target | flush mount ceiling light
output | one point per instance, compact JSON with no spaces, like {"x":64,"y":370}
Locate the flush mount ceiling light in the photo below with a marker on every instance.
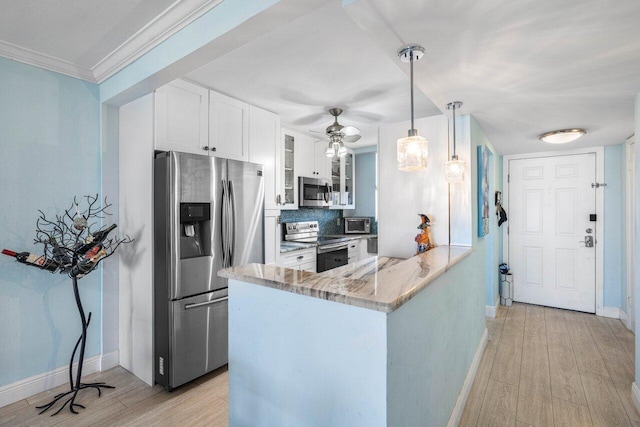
{"x":562,"y":136}
{"x":454,"y":168}
{"x":412,"y":151}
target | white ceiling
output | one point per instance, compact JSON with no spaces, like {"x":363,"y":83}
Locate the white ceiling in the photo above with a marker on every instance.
{"x":317,"y":62}
{"x":520,"y":67}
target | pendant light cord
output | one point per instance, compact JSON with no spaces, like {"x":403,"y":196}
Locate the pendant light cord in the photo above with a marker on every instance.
{"x":454,"y":132}
{"x":411,"y":65}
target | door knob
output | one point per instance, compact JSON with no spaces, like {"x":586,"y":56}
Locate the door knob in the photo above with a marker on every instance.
{"x":588,"y":241}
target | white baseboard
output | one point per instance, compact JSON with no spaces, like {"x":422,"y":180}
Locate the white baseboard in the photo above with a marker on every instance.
{"x":456,"y":414}
{"x":624,"y":317}
{"x":635,"y":395}
{"x":109,"y":360}
{"x":28,"y":387}
{"x":492,"y":311}
{"x":613,"y":312}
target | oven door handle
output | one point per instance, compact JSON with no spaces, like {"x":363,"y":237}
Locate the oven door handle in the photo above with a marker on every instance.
{"x":332,"y":247}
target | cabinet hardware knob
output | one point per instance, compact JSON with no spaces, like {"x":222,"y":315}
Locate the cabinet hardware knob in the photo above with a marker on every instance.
{"x":213,"y":148}
{"x":205,"y":148}
{"x":300,"y":256}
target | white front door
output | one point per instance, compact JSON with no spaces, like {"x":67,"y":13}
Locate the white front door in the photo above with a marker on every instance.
{"x":550,"y":203}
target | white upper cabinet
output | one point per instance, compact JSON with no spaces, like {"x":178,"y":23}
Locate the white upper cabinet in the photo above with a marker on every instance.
{"x":321,"y":163}
{"x":228,"y":127}
{"x":265,"y":148}
{"x":181,"y":118}
{"x":310,"y":158}
{"x":343,"y":180}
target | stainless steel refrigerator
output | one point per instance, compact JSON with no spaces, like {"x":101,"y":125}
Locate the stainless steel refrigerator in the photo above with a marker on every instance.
{"x":208,"y":215}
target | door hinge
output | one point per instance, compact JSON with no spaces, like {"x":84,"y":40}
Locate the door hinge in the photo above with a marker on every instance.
{"x":508,"y":178}
{"x":279,"y":219}
{"x":507,"y":229}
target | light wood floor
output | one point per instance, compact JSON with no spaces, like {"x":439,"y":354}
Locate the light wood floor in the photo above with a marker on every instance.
{"x":541,"y":367}
{"x":203,"y":402}
{"x":546,"y":367}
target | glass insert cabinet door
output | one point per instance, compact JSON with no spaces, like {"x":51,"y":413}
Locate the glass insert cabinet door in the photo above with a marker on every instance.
{"x":289,"y":174}
{"x":343,"y":181}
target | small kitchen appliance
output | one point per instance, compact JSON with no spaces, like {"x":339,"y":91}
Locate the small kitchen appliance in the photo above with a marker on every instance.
{"x":314,"y":192}
{"x":357,"y":225}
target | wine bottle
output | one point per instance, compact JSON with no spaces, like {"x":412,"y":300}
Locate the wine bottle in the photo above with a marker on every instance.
{"x":94,"y":238}
{"x":32,"y":259}
{"x":87,"y":264}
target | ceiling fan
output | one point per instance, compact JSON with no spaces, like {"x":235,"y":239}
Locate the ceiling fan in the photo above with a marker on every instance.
{"x":338,"y":133}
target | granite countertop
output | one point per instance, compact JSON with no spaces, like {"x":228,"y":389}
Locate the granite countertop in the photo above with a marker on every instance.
{"x":376,"y":283}
{"x":295,"y":246}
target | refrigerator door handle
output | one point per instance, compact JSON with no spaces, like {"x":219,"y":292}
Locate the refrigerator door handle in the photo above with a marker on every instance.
{"x":202,"y":304}
{"x":223,"y":216}
{"x":234,"y":218}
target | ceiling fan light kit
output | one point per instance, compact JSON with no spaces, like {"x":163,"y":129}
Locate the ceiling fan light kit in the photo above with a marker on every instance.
{"x":337,"y":133}
{"x":412,"y":151}
{"x":562,"y":136}
{"x":454,"y":168}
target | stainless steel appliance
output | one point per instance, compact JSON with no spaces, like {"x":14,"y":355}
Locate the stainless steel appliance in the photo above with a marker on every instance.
{"x":331,"y":252}
{"x":314,"y":192}
{"x":208,"y":215}
{"x":357,"y":225}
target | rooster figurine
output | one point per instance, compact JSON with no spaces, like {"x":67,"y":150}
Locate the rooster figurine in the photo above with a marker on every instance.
{"x":422,"y":239}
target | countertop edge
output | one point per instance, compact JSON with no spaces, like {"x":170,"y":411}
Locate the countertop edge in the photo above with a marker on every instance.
{"x":299,"y":286}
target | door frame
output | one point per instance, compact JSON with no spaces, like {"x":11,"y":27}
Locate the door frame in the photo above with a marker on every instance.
{"x":599,"y":152}
{"x":629,"y":218}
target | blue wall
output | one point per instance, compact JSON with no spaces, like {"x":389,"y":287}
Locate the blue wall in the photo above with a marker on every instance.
{"x":491,"y":244}
{"x":614,"y":250}
{"x":50,"y":132}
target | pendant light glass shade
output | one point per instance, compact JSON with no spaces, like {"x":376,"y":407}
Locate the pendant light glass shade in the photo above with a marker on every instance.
{"x":454,"y":168}
{"x":412,"y":153}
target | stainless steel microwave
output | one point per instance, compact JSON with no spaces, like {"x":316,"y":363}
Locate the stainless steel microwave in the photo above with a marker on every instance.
{"x":357,"y":225}
{"x":314,"y":192}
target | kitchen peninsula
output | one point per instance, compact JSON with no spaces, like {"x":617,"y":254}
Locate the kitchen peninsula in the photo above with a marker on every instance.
{"x":383,"y":341}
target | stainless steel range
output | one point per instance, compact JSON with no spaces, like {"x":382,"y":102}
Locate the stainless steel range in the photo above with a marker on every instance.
{"x":332,"y":252}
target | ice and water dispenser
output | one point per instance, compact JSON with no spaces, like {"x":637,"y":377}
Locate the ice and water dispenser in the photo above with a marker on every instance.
{"x":195,"y":230}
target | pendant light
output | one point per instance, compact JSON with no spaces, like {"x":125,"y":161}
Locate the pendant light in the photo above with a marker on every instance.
{"x":454,"y":168}
{"x":412,"y":151}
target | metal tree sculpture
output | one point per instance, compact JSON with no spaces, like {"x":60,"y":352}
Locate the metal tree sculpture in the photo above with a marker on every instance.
{"x":76,"y":245}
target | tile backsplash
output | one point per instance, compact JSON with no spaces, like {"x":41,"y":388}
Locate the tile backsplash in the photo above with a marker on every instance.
{"x":326,"y":219}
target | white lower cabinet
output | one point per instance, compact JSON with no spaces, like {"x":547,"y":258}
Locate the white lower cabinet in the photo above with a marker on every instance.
{"x":353,"y":250}
{"x":302,"y":259}
{"x":272,"y":236}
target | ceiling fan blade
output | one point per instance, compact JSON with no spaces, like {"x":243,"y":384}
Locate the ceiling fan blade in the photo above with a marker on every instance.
{"x":351,"y":138}
{"x":350,"y":130}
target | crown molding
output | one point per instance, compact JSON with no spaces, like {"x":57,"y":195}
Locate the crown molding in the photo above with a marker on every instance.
{"x":41,"y":60}
{"x":177,"y":16}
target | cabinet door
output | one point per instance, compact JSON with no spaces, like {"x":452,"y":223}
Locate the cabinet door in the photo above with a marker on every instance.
{"x":228,"y":127}
{"x":348,"y":196}
{"x":264,"y":148}
{"x":353,"y":251}
{"x":181,"y":118}
{"x":305,"y":156}
{"x":289,"y":198}
{"x":272,"y":237}
{"x":321,"y":165}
